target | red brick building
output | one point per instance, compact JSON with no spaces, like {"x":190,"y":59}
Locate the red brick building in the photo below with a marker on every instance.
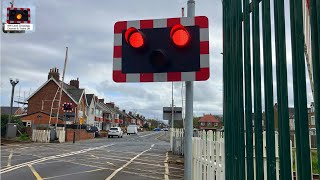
{"x":209,"y":122}
{"x":47,"y":96}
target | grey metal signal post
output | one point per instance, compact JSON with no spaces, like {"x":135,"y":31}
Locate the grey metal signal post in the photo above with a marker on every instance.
{"x":189,"y":115}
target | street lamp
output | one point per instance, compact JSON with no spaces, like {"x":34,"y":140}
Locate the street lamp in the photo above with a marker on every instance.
{"x":13,"y":83}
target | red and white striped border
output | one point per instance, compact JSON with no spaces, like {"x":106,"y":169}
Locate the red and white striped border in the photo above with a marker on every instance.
{"x":67,"y":110}
{"x":201,"y":75}
{"x":16,"y":22}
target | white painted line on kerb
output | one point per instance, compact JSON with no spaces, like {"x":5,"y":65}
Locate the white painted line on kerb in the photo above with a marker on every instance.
{"x":35,"y":173}
{"x":129,"y":162}
{"x":11,"y":168}
{"x":166,"y":170}
{"x":9,"y":158}
{"x":149,"y":134}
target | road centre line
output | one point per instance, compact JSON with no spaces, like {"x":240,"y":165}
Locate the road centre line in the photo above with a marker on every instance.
{"x":129,"y":162}
{"x":11,"y":168}
{"x":35,"y":173}
{"x":98,"y":168}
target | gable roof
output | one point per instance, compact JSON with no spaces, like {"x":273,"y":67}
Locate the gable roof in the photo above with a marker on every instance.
{"x":72,"y":92}
{"x":89,"y":98}
{"x":209,"y":118}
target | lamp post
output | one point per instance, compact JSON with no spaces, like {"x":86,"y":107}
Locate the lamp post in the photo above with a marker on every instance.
{"x":13,"y":83}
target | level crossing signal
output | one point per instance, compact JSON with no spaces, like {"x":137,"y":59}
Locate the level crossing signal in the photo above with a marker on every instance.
{"x":18,"y":16}
{"x":161,"y":50}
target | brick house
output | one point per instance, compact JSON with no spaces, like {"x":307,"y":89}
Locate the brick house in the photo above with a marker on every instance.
{"x":209,"y":122}
{"x":41,"y":101}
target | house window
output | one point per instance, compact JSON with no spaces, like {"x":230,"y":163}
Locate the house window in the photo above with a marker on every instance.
{"x":209,"y":124}
{"x":313,"y":120}
{"x":28,"y":124}
{"x":202,"y":124}
{"x":215,"y":124}
{"x":92,"y":111}
{"x":117,"y":116}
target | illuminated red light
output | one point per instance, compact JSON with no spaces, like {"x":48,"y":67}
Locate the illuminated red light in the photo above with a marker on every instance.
{"x":180,"y":36}
{"x":134,"y":38}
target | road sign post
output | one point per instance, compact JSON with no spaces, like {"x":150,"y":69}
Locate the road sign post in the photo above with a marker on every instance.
{"x":189,"y":115}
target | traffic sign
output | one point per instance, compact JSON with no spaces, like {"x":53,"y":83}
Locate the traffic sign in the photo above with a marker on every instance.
{"x":177,"y":113}
{"x":67,"y":107}
{"x":18,"y":15}
{"x":161,"y":50}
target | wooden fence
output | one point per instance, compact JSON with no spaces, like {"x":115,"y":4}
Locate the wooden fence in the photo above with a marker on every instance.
{"x":42,"y":136}
{"x":208,"y":156}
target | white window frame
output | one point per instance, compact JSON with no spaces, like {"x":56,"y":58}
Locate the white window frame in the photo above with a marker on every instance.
{"x":28,"y":124}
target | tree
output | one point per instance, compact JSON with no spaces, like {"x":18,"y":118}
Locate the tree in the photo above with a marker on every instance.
{"x":4,"y":122}
{"x":196,"y":122}
{"x":146,"y":126}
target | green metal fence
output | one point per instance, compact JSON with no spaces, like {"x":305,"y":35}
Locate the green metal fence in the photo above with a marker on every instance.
{"x":241,"y":39}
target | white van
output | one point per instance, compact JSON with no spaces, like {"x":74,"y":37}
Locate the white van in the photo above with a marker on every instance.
{"x":132,"y":129}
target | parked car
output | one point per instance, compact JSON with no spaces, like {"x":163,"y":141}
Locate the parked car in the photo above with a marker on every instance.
{"x":165,"y":129}
{"x":94,"y":129}
{"x":132,"y":129}
{"x":115,"y":131}
{"x":156,"y":129}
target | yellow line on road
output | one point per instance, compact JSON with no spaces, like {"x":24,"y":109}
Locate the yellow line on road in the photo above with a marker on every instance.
{"x":166,"y":171}
{"x":35,"y":173}
{"x":9,"y":158}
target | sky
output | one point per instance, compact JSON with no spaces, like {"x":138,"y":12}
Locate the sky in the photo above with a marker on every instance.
{"x":86,"y":27}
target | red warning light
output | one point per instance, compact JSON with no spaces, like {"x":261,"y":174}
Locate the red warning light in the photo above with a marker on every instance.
{"x":134,"y":38}
{"x":179,"y":35}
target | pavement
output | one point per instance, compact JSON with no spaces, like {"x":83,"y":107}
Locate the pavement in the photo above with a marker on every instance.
{"x":136,"y":157}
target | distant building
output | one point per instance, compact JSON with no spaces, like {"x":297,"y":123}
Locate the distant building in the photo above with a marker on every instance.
{"x":41,"y":101}
{"x":209,"y":122}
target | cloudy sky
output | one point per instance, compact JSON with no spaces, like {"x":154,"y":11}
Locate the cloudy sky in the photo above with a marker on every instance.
{"x":86,"y":27}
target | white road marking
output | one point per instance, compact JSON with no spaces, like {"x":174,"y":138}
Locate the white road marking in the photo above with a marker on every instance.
{"x":11,"y":168}
{"x":9,"y":158}
{"x":129,"y":162}
{"x":166,"y":170}
{"x":35,"y":173}
{"x":149,"y":134}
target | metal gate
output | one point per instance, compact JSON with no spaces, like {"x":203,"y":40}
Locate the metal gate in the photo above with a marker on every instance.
{"x":241,"y":37}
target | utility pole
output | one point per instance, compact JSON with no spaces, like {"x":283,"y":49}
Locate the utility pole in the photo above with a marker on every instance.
{"x":189,"y":115}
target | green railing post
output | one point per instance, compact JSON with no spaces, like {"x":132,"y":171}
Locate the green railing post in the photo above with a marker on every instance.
{"x":257,"y":91}
{"x":248,"y":94}
{"x":242,"y":162}
{"x":315,"y":43}
{"x":268,"y":88}
{"x":282,"y":90}
{"x":226,"y":90}
{"x":299,"y":89}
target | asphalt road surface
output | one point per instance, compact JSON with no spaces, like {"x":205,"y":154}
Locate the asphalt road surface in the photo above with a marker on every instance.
{"x":134,"y":157}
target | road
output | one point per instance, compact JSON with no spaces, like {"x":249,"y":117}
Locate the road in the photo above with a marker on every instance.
{"x":134,"y":157}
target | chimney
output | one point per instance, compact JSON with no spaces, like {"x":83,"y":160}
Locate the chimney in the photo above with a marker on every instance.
{"x":101,"y":100}
{"x":96,"y":98}
{"x":130,"y":113}
{"x":54,"y":72}
{"x":75,"y":83}
{"x":111,"y":104}
{"x":124,"y":111}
